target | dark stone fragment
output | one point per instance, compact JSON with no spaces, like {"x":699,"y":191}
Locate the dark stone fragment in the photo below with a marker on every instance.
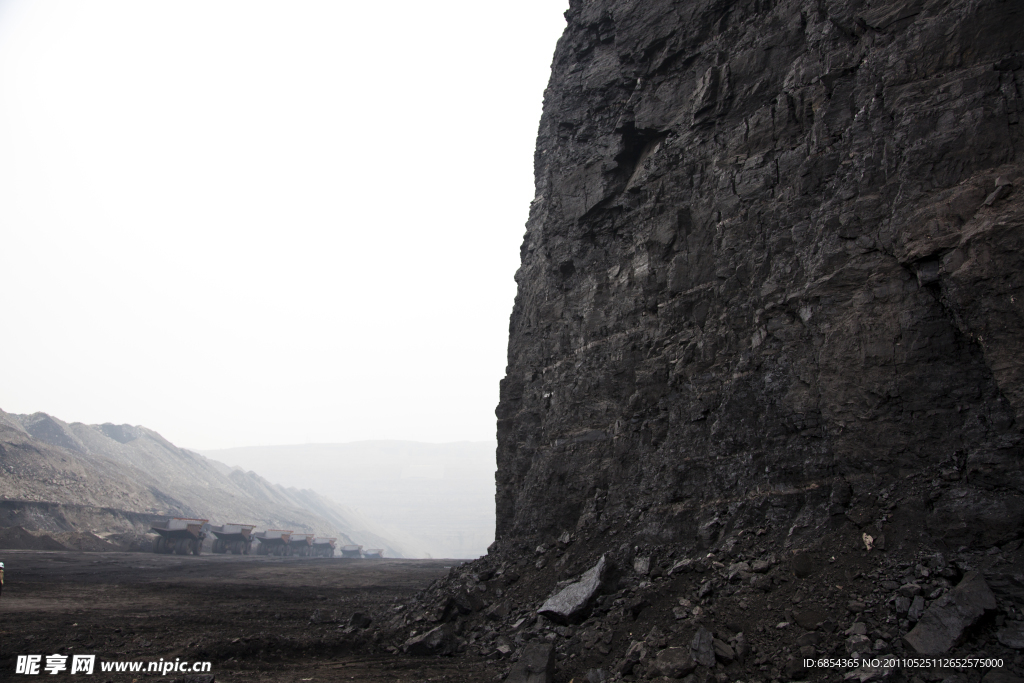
{"x":1001,"y":676}
{"x":902,"y":605}
{"x":812,"y":638}
{"x":634,"y":653}
{"x":740,"y":645}
{"x":467,"y":601}
{"x":795,"y":669}
{"x":497,"y":612}
{"x":909,"y":590}
{"x":916,"y":608}
{"x":637,"y":605}
{"x":360,"y":620}
{"x":803,"y":565}
{"x":723,"y":651}
{"x":575,"y":600}
{"x":942,"y":625}
{"x":702,"y":647}
{"x":809,"y":619}
{"x":860,"y":516}
{"x":1012,"y":635}
{"x":673,"y":662}
{"x":438,"y":641}
{"x":536,"y":664}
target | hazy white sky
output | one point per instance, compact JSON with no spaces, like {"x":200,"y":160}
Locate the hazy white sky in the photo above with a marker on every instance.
{"x":246,"y":222}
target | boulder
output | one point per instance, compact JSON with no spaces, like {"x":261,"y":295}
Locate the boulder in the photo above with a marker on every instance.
{"x":438,"y":641}
{"x":795,"y":669}
{"x":1001,"y":676}
{"x":574,"y":601}
{"x":1012,"y":635}
{"x":943,"y":624}
{"x":740,"y":646}
{"x":360,"y":620}
{"x":858,"y":644}
{"x":803,"y":565}
{"x":916,"y":608}
{"x":723,"y":651}
{"x":535,"y":665}
{"x":467,"y":601}
{"x":673,"y":662}
{"x":702,"y":647}
{"x":634,"y":653}
{"x":809,"y":619}
{"x":497,"y":612}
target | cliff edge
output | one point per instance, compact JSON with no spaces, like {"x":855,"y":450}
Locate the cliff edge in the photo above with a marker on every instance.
{"x":773,"y":268}
{"x":763,"y":407}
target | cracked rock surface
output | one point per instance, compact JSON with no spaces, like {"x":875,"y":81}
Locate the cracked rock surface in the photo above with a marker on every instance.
{"x":766,"y":352}
{"x":774,"y":264}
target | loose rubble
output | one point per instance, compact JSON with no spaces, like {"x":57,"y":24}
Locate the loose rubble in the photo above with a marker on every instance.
{"x":748,"y":609}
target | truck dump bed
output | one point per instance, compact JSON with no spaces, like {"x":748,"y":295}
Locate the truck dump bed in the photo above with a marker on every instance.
{"x":301,"y":545}
{"x":181,"y":535}
{"x":323,"y":547}
{"x":234,"y":538}
{"x":273,"y":541}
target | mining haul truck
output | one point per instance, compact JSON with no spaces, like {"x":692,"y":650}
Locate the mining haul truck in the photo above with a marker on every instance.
{"x":301,"y":545}
{"x":351,"y":551}
{"x":323,"y":547}
{"x":373,"y":553}
{"x":233,"y":538}
{"x":179,"y":535}
{"x":273,"y":542}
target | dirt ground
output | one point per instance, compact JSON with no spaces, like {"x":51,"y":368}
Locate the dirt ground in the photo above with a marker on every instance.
{"x":255,"y":618}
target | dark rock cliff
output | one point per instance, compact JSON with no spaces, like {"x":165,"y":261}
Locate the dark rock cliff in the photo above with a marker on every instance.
{"x":772,"y":271}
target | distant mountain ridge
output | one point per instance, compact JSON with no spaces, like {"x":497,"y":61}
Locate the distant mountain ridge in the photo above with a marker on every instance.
{"x":132,"y":468}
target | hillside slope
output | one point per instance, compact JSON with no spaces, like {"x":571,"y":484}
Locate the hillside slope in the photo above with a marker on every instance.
{"x":134,"y":469}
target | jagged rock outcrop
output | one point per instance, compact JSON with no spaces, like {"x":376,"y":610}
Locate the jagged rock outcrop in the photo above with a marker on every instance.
{"x":773,"y":269}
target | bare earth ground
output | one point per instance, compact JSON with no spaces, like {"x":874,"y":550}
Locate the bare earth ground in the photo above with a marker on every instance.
{"x":255,"y":618}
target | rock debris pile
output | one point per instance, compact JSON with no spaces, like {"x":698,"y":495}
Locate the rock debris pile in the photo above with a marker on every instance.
{"x":751,"y":611}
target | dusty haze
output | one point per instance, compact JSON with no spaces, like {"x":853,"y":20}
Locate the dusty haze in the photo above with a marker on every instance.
{"x":434,"y":500}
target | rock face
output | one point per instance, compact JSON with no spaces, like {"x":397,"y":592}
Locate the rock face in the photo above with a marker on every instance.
{"x":774,"y":263}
